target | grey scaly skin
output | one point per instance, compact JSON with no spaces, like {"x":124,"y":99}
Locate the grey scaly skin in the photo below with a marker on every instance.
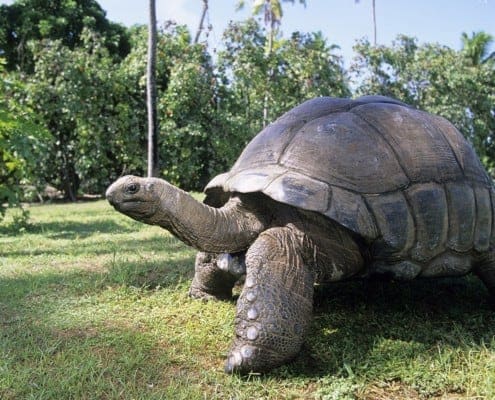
{"x":286,"y":251}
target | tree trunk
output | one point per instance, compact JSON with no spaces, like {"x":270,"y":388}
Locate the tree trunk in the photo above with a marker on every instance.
{"x":201,"y":21}
{"x":269,"y":76}
{"x":151,"y":94}
{"x":373,"y":5}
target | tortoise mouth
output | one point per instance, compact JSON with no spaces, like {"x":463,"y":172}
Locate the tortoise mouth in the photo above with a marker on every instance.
{"x":133,"y":201}
{"x":135,"y":208}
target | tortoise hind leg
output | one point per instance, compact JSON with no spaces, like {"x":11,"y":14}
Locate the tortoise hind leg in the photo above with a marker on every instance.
{"x":275,"y":307}
{"x":485,"y":269}
{"x":215,"y":275}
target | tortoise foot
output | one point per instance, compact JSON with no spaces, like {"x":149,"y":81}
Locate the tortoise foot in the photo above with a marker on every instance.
{"x":200,"y":294}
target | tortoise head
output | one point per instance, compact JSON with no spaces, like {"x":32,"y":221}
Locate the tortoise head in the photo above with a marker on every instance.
{"x":139,"y":198}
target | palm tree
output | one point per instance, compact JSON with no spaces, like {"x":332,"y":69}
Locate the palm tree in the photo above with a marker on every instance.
{"x":477,"y":46}
{"x":272,"y":11}
{"x":151,"y":93}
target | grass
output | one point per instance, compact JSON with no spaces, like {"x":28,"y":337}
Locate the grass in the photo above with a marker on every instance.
{"x":94,"y":306}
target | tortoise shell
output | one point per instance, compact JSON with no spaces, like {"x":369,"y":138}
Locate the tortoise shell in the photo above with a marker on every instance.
{"x":401,"y":178}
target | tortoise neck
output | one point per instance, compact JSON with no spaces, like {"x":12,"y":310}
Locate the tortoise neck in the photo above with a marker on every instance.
{"x":231,"y":228}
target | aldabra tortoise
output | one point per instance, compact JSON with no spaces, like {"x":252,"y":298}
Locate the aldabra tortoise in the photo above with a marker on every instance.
{"x":335,"y":188}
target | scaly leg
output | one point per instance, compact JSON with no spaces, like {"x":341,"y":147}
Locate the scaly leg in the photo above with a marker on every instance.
{"x":215,"y":275}
{"x":274,"y":310}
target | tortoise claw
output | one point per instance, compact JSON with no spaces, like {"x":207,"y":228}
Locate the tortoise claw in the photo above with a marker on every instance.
{"x":246,"y":358}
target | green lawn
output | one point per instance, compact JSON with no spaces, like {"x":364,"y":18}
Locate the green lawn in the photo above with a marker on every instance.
{"x":94,"y":306}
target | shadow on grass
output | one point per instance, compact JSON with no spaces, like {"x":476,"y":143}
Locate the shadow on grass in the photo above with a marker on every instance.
{"x":69,"y":229}
{"x":74,"y":229}
{"x":74,"y":359}
{"x":155,"y":243}
{"x":143,"y":273}
{"x":81,"y":355}
{"x":353,"y":319}
{"x":146,"y":274}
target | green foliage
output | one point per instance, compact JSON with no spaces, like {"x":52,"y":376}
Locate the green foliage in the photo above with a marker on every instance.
{"x":90,"y":108}
{"x":189,"y":116}
{"x":436,"y":79}
{"x":306,"y":67}
{"x":243,"y":70}
{"x":297,"y":69}
{"x":23,"y":146}
{"x":64,"y":20}
{"x":186,"y":104}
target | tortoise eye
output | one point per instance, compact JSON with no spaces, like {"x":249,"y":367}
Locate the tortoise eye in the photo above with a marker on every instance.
{"x":132,"y":188}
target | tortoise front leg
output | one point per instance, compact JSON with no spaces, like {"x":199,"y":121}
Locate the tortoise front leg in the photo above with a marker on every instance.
{"x":215,"y":275}
{"x":274,"y":310}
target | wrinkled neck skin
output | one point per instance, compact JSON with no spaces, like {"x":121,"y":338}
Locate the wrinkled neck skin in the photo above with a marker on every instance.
{"x":229,"y":229}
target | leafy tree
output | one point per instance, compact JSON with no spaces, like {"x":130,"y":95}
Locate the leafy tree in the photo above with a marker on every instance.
{"x":307,"y":67}
{"x":243,"y":69}
{"x":63,"y":20}
{"x":437,"y":79}
{"x":303,"y":66}
{"x":191,"y":126}
{"x":84,"y":101}
{"x":192,"y":131}
{"x":23,"y":145}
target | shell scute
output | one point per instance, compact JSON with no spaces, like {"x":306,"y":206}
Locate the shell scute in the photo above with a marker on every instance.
{"x":396,"y":224}
{"x":429,"y":204}
{"x":355,"y":158}
{"x":466,"y":157}
{"x":350,"y":210}
{"x":295,"y":188}
{"x":483,"y":228}
{"x":462,"y":215}
{"x":424,"y":153}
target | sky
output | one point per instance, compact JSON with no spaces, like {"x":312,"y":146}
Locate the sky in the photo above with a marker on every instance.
{"x":342,"y":22}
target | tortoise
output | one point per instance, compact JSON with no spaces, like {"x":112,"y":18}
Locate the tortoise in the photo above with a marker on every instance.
{"x":333,"y":189}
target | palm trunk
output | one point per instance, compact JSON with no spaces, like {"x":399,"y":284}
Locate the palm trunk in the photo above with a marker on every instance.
{"x":269,"y":76}
{"x":151,"y":94}
{"x":374,"y":22}
{"x":201,"y":21}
